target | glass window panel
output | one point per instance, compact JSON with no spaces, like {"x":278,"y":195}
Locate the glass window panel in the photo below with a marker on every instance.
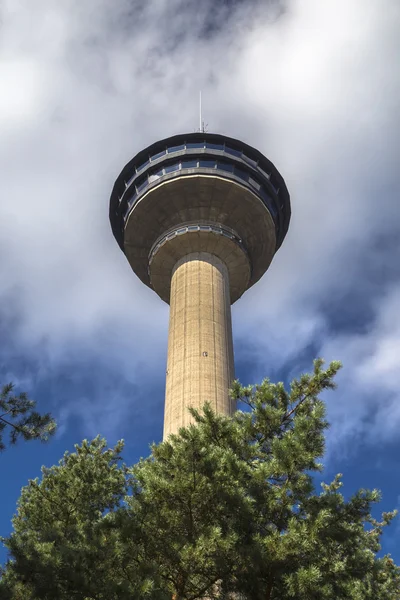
{"x":154,"y":177}
{"x":192,"y":145}
{"x":128,"y":183}
{"x":214,"y":146}
{"x":249,"y":160}
{"x":142,"y":166}
{"x":225,"y":167}
{"x":269,"y":202}
{"x":208,"y":164}
{"x":140,"y":185}
{"x":233,"y":151}
{"x":267,"y":175}
{"x":273,"y":187}
{"x":241,"y":174}
{"x":189,"y":164}
{"x":176,"y":149}
{"x":131,"y":202}
{"x":171,"y":168}
{"x":254,"y":183}
{"x":158,"y":155}
{"x":272,"y":208}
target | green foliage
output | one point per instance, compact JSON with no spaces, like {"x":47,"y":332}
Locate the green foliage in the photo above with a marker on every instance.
{"x":18,"y":414}
{"x":62,"y":544}
{"x":225,"y":509}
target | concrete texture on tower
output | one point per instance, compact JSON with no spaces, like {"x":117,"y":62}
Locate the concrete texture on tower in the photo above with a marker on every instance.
{"x":200,"y":349}
{"x":199,"y":199}
{"x":199,"y":217}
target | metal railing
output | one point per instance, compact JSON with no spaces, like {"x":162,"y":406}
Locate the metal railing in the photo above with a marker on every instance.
{"x":194,"y":227}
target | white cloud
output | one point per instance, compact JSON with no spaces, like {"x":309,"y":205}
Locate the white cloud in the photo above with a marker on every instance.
{"x":89,"y":84}
{"x":366,"y":408}
{"x":21,"y":92}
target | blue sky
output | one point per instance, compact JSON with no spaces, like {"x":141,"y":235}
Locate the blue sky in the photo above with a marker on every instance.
{"x":313,"y":85}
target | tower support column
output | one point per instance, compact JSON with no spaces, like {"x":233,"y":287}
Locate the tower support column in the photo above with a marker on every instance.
{"x":200,"y":365}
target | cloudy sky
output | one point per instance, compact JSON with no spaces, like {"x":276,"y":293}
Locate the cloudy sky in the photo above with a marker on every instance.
{"x":315,"y":86}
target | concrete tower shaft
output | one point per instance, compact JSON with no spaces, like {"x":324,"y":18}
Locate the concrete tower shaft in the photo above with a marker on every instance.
{"x":200,"y":270}
{"x":200,"y":349}
{"x":199,"y":218}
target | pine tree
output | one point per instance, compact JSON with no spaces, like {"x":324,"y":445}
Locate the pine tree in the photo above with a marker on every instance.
{"x":18,"y":414}
{"x":63,"y":545}
{"x":225,"y":509}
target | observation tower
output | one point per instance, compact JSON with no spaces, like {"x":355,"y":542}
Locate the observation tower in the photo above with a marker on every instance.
{"x":199,"y":216}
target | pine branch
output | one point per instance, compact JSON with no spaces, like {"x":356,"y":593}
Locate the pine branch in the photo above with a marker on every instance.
{"x":30,"y":426}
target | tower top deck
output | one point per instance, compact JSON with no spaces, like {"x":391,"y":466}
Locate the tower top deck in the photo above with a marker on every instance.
{"x":199,"y":182}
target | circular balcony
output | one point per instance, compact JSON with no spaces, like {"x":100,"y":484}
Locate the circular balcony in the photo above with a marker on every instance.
{"x":199,"y":178}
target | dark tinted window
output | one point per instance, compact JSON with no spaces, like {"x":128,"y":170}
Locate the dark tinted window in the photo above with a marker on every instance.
{"x":131,"y":202}
{"x":171,"y":168}
{"x":241,"y":174}
{"x":273,"y":183}
{"x":191,"y":145}
{"x":267,"y":175}
{"x":249,"y":160}
{"x":141,"y":184}
{"x":233,"y":151}
{"x":176,"y":149}
{"x":214,"y":146}
{"x":158,"y":155}
{"x":130,"y":179}
{"x":208,"y":164}
{"x":225,"y":167}
{"x":189,"y":164}
{"x":269,"y":202}
{"x":142,"y":166}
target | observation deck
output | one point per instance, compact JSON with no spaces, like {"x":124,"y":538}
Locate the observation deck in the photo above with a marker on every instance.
{"x":199,"y":192}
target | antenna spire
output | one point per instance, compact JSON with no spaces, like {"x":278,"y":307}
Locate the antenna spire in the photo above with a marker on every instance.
{"x":202,"y":125}
{"x":201,"y":121}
